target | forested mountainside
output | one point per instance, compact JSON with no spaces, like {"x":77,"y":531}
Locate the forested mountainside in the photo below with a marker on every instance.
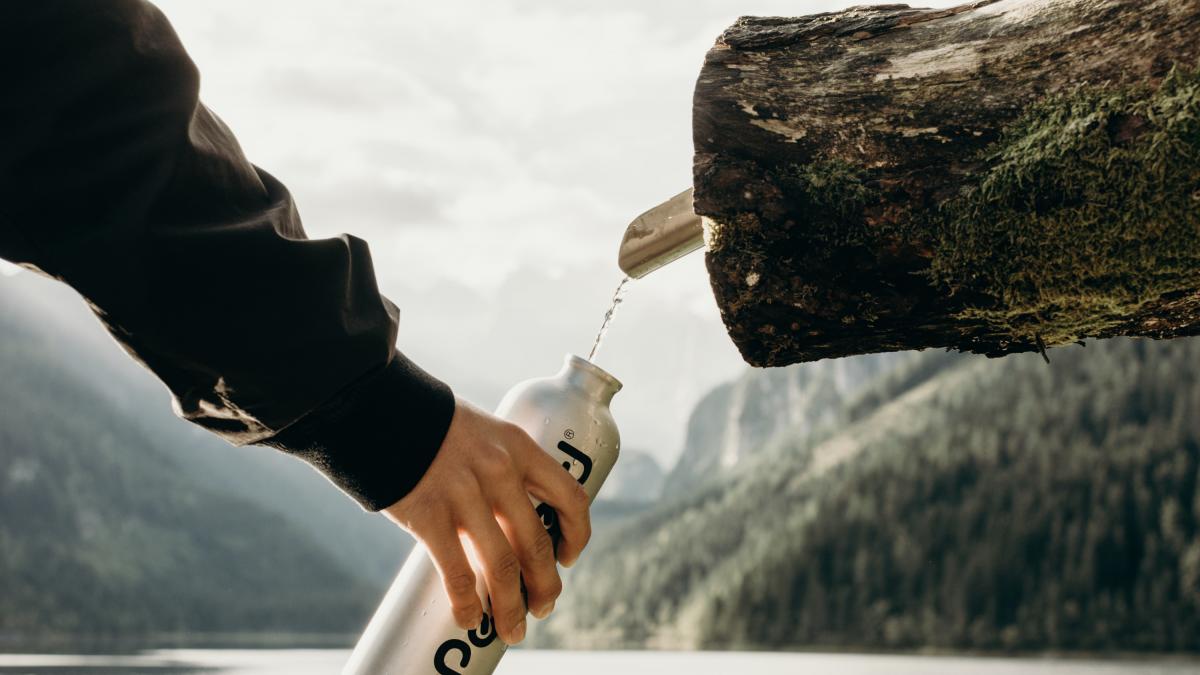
{"x":117,"y":520}
{"x":58,"y":332}
{"x":955,"y":502}
{"x":103,"y":535}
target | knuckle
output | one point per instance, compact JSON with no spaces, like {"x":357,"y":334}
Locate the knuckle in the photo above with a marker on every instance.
{"x":512,"y":431}
{"x":550,"y":586}
{"x":508,"y":568}
{"x":451,"y":492}
{"x":579,"y":497}
{"x":462,"y":490}
{"x":461,"y":584}
{"x":515,"y":615}
{"x":495,"y":464}
{"x":521,"y":441}
{"x":543,"y":547}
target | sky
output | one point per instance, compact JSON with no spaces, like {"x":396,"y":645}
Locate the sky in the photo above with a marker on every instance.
{"x":492,"y":153}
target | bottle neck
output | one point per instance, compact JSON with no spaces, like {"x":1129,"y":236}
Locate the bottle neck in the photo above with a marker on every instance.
{"x":590,"y":378}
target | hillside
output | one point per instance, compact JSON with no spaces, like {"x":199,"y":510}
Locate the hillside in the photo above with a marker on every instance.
{"x":119,"y":520}
{"x":59,"y":332}
{"x":104,"y":536}
{"x":116,"y":518}
{"x":957,"y":502}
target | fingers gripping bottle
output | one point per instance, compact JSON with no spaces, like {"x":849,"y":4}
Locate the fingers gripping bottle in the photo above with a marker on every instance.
{"x":413,"y":631}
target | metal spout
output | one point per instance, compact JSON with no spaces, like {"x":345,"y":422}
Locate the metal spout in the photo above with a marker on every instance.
{"x":662,"y":234}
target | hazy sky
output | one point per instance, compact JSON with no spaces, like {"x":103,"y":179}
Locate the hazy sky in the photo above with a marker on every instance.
{"x":491,"y":153}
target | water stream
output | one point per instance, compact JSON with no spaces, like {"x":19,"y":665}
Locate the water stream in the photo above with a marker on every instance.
{"x":618,"y":296}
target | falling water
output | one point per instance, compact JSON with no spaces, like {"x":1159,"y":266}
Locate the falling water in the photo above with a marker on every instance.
{"x":618,"y":296}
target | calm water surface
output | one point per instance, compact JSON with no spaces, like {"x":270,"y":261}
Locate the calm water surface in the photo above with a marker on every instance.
{"x":521,"y":662}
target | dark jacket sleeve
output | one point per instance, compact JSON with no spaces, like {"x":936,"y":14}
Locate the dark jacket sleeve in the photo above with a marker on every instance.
{"x":117,"y":181}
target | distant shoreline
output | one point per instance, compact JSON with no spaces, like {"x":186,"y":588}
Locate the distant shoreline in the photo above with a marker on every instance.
{"x":75,"y":644}
{"x":129,"y":644}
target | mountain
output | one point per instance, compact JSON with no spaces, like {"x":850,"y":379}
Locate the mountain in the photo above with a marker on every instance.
{"x":118,"y":520}
{"x":956,"y":502}
{"x":159,"y":510}
{"x":104,"y":535}
{"x":62,"y":334}
{"x":636,"y":477}
{"x":738,"y":417}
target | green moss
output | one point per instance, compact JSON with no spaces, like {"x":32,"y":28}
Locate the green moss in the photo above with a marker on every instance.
{"x":821,"y":205}
{"x":1090,"y":208}
{"x":831,"y":187}
{"x":826,"y":197}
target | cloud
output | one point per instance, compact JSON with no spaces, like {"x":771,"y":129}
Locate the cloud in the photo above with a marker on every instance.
{"x":373,"y":204}
{"x":492,"y":153}
{"x":665,"y":352}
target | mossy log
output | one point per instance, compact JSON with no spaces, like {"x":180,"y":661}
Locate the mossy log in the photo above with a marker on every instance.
{"x":999,"y":177}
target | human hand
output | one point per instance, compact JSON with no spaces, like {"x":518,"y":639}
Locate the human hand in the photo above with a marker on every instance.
{"x":477,"y":489}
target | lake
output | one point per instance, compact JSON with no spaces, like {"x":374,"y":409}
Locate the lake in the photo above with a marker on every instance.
{"x":529,"y":662}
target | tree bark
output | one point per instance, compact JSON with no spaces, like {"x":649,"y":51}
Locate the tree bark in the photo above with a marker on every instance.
{"x":1002,"y":176}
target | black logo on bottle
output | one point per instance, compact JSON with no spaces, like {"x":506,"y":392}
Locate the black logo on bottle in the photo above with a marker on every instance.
{"x":575,"y":454}
{"x":485,"y":634}
{"x":443,"y":650}
{"x":480,"y":637}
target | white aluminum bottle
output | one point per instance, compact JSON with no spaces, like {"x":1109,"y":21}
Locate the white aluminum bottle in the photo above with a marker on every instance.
{"x":413,"y":631}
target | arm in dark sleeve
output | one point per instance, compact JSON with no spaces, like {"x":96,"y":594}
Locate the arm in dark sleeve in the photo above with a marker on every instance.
{"x":117,"y":181}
